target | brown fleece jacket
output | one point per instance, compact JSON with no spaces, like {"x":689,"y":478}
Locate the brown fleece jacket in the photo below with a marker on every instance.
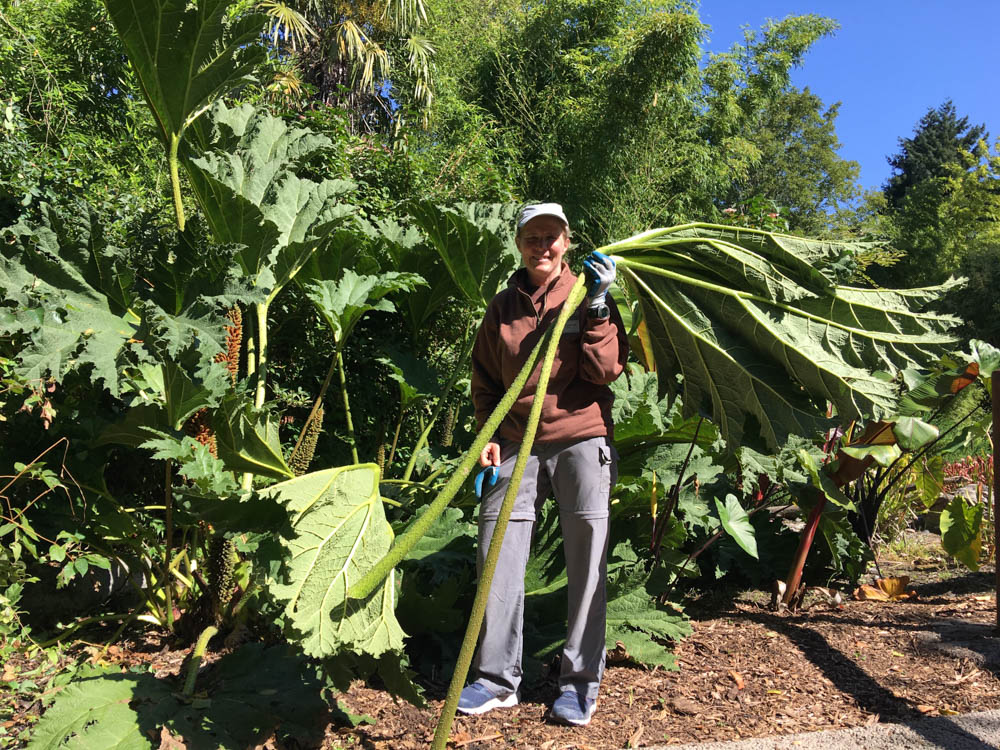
{"x":590,"y":355}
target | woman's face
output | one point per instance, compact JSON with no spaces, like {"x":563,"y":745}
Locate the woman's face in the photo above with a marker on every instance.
{"x":543,"y":242}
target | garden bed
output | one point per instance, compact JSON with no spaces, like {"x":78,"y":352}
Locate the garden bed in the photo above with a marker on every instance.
{"x":746,"y":671}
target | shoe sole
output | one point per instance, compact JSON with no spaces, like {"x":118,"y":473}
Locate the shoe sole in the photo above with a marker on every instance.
{"x":505,"y":702}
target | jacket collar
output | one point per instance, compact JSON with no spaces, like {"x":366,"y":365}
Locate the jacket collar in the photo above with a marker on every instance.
{"x":519,"y":280}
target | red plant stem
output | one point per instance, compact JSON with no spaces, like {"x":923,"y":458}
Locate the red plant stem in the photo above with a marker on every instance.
{"x":812,"y":523}
{"x":995,"y":387}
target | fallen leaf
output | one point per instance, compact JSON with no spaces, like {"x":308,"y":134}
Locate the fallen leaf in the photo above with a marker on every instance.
{"x":872,"y":720}
{"x":897,"y":654}
{"x":738,"y":679}
{"x":633,"y":741}
{"x":948,"y":712}
{"x":984,"y":598}
{"x":775,"y":692}
{"x":547,"y":745}
{"x":169,"y":742}
{"x":925,"y":709}
{"x":885,"y":590}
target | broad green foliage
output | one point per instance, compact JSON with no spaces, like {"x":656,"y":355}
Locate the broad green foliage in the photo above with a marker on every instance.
{"x":342,"y":303}
{"x":340,"y":531}
{"x":246,"y":181}
{"x":185,"y":54}
{"x":248,"y":695}
{"x":248,"y":439}
{"x":74,"y":299}
{"x":475,"y":242}
{"x":740,"y":312}
{"x":961,"y":531}
{"x":91,"y":712}
{"x":734,"y":520}
{"x":635,"y":619}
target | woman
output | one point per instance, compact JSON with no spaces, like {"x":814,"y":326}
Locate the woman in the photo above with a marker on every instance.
{"x":572,"y":459}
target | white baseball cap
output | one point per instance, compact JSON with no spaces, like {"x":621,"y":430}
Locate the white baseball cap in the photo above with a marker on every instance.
{"x":535,"y":210}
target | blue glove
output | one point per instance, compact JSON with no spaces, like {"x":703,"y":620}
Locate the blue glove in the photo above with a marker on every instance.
{"x":600,"y":271}
{"x":489,"y":476}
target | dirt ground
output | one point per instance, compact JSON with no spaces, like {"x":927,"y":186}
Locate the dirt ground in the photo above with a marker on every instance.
{"x":746,"y":671}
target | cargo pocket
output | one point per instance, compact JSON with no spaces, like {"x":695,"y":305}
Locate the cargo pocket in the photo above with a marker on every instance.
{"x":609,"y":468}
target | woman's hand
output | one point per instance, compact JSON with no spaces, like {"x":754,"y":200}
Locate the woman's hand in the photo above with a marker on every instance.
{"x":490,"y":455}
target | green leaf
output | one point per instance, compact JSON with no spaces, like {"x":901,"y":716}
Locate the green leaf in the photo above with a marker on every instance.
{"x":186,"y":54}
{"x":243,"y":698}
{"x":135,"y":428}
{"x":343,"y":303}
{"x":476,"y":243}
{"x":913,"y":433}
{"x":233,"y":514}
{"x":246,"y":183}
{"x":635,"y":618}
{"x":929,"y":480}
{"x":961,"y":532}
{"x":251,"y":693}
{"x":883,"y":455}
{"x":763,"y":338}
{"x":340,"y":532}
{"x":409,"y":254}
{"x":71,"y":289}
{"x":91,"y":713}
{"x":821,"y":480}
{"x":247,"y":440}
{"x":415,"y":378}
{"x":986,"y":356}
{"x":737,"y":524}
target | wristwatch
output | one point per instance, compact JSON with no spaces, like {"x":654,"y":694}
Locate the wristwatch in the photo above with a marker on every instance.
{"x":599,"y":312}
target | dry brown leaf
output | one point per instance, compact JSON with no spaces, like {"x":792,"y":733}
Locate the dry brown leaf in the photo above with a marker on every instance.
{"x":885,"y":590}
{"x":872,"y":720}
{"x":547,"y":745}
{"x":169,"y":742}
{"x":636,"y":737}
{"x":460,"y":738}
{"x":925,"y":709}
{"x":737,"y":678}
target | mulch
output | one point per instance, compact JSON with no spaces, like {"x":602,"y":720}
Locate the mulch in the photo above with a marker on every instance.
{"x":746,"y":671}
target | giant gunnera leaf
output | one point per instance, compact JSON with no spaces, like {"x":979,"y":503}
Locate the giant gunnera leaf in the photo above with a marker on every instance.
{"x":72,"y":295}
{"x":763,"y":334}
{"x":340,"y":532}
{"x":243,"y":699}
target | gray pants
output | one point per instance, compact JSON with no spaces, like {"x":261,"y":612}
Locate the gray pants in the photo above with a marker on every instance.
{"x":579,"y":475}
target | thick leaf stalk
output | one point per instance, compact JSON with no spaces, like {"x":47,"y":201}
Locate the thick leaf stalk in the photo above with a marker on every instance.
{"x":440,"y":742}
{"x":175,"y":179}
{"x":416,"y":530}
{"x":347,"y":407}
{"x":196,"y":656}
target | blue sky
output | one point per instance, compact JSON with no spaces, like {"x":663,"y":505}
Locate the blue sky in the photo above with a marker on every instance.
{"x":888,"y":64}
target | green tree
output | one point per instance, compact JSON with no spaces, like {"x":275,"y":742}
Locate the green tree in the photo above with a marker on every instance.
{"x":798,"y":168}
{"x":370,"y":59}
{"x":939,"y":139}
